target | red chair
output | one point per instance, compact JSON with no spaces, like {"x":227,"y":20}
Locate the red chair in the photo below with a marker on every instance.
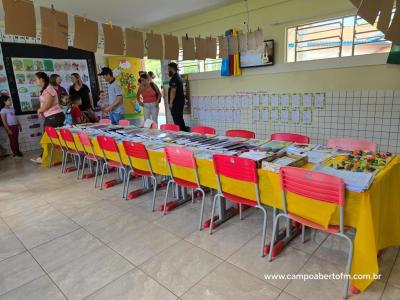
{"x":203,"y":130}
{"x":53,"y":135}
{"x":136,"y":151}
{"x":105,"y":121}
{"x":72,"y":150}
{"x":89,"y":154}
{"x":291,"y":137}
{"x":182,"y":157}
{"x":318,"y":187}
{"x":352,"y":144}
{"x":170,"y":127}
{"x":124,"y":123}
{"x":109,"y":145}
{"x":247,"y":134}
{"x":242,"y":169}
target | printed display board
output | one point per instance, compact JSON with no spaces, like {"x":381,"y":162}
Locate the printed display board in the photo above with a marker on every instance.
{"x":25,"y":69}
{"x":22,"y":61}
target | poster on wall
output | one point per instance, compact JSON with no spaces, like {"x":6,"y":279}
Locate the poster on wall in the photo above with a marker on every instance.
{"x":25,"y":69}
{"x":4,"y":88}
{"x":126,"y":71}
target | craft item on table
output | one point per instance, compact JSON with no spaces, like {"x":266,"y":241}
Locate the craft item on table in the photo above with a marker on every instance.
{"x":355,"y":181}
{"x":274,"y":146}
{"x":284,"y":159}
{"x":297,"y":148}
{"x":361,"y":161}
{"x":256,"y":155}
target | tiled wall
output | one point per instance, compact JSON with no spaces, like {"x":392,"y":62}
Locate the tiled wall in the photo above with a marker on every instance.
{"x":373,"y":115}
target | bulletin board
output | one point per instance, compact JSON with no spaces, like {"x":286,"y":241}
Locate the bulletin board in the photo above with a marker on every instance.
{"x":22,"y":61}
{"x":126,"y":71}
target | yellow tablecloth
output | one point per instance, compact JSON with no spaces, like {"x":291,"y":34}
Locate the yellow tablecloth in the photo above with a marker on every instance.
{"x":374,"y":213}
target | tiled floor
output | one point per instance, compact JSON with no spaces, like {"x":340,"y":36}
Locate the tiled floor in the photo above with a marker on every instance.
{"x":60,"y":238}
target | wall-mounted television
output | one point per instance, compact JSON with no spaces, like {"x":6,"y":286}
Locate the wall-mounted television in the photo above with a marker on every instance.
{"x":261,"y":57}
{"x":22,"y":61}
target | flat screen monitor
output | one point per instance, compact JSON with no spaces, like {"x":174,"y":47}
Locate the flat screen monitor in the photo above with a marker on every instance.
{"x":262,"y":56}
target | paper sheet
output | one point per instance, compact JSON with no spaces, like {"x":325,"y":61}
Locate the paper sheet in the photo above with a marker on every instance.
{"x":211,"y":47}
{"x":155,"y":49}
{"x":171,"y":47}
{"x":264,"y":100}
{"x":295,"y":100}
{"x":19,"y":18}
{"x":54,"y":28}
{"x":295,"y":116}
{"x":201,"y":48}
{"x":188,"y":48}
{"x":307,"y":119}
{"x":113,"y":40}
{"x":274,"y":101}
{"x":256,"y":115}
{"x":256,"y":100}
{"x":274,"y":115}
{"x":284,"y":116}
{"x":134,"y":43}
{"x":265,"y":115}
{"x":307,"y":100}
{"x":237,"y":116}
{"x":319,"y":100}
{"x":284,"y":100}
{"x":86,"y":34}
{"x":245,"y":101}
{"x":223,"y":46}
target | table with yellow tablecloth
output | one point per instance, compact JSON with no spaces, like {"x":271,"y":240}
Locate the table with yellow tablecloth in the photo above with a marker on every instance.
{"x":373,"y":213}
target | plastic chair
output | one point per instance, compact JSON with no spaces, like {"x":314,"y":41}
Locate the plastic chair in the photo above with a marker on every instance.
{"x":105,"y":121}
{"x":182,"y":157}
{"x":72,"y":150}
{"x":247,"y":134}
{"x":53,"y":135}
{"x":291,"y":137}
{"x":352,"y":144}
{"x":124,"y":123}
{"x":242,"y":169}
{"x":136,"y":151}
{"x":203,"y":130}
{"x":89,"y":155}
{"x":109,"y":145}
{"x":170,"y":127}
{"x":318,"y":187}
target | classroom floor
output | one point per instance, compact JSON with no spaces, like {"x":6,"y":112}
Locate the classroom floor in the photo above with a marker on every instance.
{"x":61,"y":238}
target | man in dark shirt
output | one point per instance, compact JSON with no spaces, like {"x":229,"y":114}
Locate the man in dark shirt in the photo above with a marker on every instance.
{"x":176,"y":96}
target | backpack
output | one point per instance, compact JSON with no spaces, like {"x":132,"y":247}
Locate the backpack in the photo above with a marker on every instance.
{"x":68,"y":116}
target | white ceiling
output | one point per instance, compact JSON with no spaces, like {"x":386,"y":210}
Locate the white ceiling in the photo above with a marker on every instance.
{"x":131,"y":13}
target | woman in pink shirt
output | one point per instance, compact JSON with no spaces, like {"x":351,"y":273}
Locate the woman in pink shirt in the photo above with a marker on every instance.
{"x":50,"y":108}
{"x":149,"y":96}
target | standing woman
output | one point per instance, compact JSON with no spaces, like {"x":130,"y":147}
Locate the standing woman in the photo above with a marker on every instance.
{"x":81,"y":90}
{"x":55,"y":81}
{"x":50,"y":108}
{"x":149,"y":96}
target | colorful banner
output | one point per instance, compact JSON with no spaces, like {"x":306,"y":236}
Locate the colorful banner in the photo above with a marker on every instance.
{"x":126,"y":71}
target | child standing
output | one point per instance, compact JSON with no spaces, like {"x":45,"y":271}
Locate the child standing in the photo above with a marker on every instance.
{"x":10,"y":123}
{"x":103,"y":103}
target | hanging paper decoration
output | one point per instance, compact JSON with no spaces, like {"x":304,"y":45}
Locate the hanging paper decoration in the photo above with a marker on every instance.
{"x":230,"y":65}
{"x":369,"y":10}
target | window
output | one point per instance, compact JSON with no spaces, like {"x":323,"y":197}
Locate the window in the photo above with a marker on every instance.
{"x":197,"y":66}
{"x":341,"y":37}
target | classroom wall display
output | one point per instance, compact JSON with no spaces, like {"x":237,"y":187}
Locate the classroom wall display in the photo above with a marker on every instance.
{"x":19,"y":18}
{"x":4,"y":88}
{"x":126,"y":71}
{"x":24,"y":71}
{"x":22,"y":61}
{"x":54,"y":27}
{"x":365,"y":114}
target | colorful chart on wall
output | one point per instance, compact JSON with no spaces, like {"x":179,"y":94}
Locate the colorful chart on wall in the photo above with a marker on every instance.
{"x":4,"y":88}
{"x":126,"y":71}
{"x":25,"y":69}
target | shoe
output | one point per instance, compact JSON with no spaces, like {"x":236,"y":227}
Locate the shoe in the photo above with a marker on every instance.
{"x":19,"y":154}
{"x":36,"y":160}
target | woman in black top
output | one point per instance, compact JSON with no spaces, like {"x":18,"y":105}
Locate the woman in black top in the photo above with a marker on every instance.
{"x":81,"y":90}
